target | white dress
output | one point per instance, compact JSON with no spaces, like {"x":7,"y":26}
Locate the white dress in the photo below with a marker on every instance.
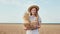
{"x":32,"y":18}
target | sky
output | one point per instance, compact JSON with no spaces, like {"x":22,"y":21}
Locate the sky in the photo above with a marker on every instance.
{"x":12,"y":11}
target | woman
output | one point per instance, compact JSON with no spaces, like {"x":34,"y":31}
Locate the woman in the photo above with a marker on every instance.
{"x":32,"y":17}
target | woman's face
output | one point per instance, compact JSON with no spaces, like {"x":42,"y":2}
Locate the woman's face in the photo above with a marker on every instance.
{"x":33,"y":11}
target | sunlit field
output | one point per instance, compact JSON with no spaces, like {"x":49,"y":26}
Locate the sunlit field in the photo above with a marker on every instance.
{"x":18,"y":29}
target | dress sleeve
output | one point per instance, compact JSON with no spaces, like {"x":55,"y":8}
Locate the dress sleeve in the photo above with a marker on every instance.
{"x":39,"y":19}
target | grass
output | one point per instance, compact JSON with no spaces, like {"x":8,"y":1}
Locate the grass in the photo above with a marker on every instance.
{"x":18,"y":29}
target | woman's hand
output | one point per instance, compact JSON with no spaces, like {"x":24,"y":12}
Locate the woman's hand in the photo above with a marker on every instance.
{"x":25,"y":28}
{"x":38,"y":26}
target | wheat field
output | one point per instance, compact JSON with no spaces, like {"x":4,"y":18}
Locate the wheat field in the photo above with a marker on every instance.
{"x":18,"y":29}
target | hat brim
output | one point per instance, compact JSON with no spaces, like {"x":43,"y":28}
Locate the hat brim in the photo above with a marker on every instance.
{"x":33,"y":6}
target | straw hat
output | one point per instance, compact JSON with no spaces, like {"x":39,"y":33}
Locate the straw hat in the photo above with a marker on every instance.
{"x":33,"y":6}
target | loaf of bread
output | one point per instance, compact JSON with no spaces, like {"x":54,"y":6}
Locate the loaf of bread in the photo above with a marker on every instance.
{"x":27,"y":25}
